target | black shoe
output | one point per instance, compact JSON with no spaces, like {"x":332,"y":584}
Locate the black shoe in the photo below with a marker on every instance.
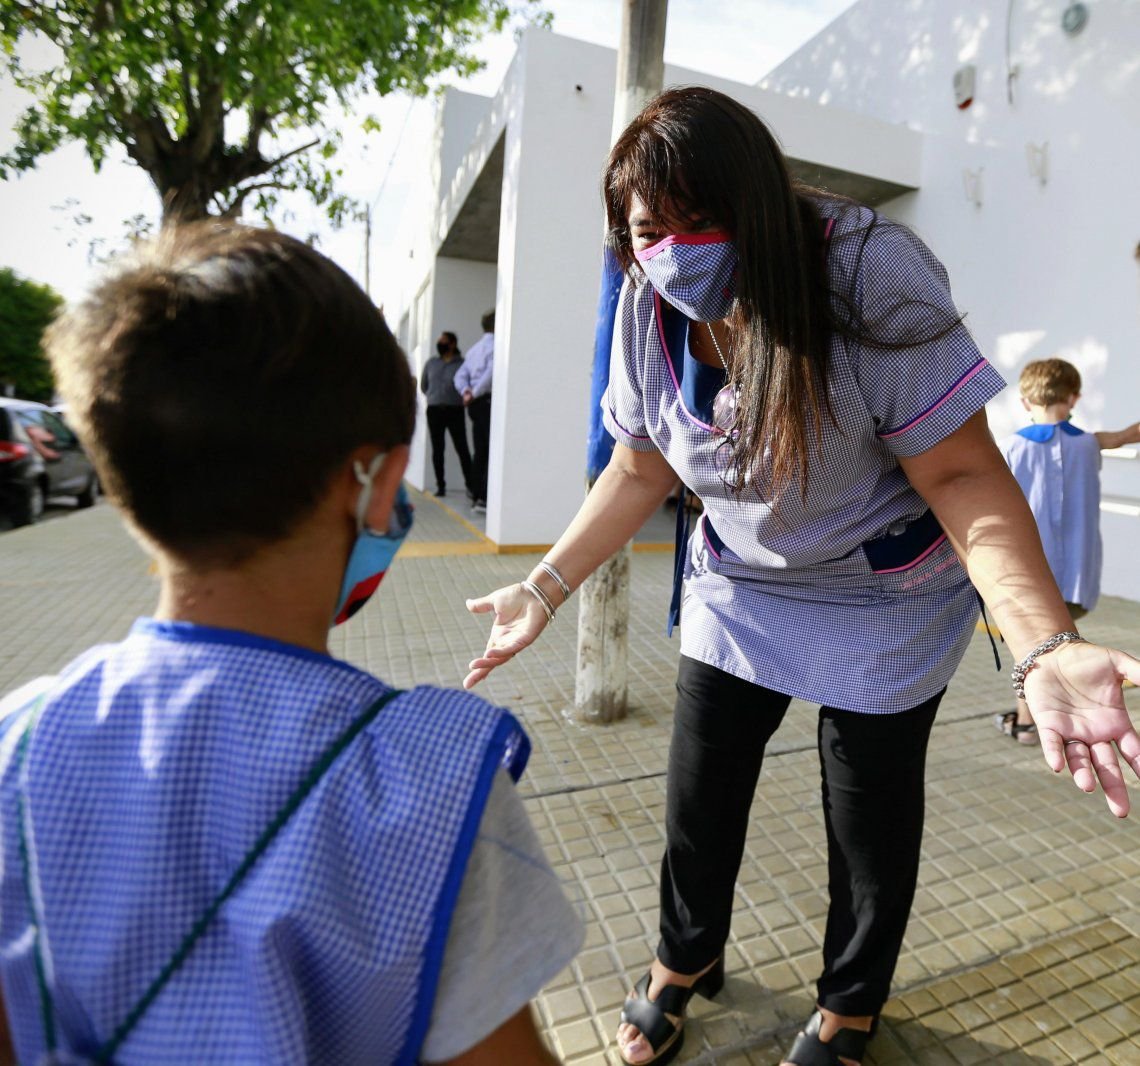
{"x":479,"y":507}
{"x":441,"y":491}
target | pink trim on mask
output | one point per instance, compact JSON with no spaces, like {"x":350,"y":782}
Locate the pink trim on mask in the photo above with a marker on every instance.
{"x":680,"y":238}
{"x":672,"y":373}
{"x":977,"y":369}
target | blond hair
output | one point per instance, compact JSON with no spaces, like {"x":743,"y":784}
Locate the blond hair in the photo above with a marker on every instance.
{"x":1045,"y":382}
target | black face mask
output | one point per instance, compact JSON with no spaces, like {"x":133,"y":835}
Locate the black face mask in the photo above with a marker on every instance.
{"x":442,"y":347}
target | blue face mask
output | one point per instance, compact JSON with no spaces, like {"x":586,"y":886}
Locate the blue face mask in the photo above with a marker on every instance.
{"x":373,"y":552}
{"x":695,"y":272}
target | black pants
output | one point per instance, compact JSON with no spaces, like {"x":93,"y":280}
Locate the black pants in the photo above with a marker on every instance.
{"x":480,"y":412}
{"x":873,"y":796}
{"x":444,"y":419}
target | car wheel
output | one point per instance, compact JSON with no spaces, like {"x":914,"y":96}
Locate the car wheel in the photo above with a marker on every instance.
{"x":88,"y":496}
{"x":29,"y":509}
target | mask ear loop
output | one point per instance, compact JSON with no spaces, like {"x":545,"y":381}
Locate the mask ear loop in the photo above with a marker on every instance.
{"x":365,"y":477}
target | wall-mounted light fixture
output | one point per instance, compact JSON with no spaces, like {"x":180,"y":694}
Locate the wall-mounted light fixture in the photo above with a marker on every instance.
{"x":972,"y":183}
{"x":1037,"y":156}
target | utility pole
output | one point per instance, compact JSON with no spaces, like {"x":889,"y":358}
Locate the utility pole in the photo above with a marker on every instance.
{"x":602,"y":681}
{"x":368,"y":250}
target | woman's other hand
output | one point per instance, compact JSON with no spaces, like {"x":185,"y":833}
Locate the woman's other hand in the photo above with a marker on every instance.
{"x":1075,"y":697}
{"x":519,"y":618}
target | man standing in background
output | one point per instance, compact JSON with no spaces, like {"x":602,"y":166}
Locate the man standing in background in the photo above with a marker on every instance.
{"x":473,"y":383}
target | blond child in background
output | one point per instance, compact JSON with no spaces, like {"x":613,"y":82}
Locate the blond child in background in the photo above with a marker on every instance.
{"x":1057,"y":466}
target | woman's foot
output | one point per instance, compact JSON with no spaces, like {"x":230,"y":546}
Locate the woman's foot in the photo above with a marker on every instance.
{"x":634,"y":1047}
{"x":830,"y":1024}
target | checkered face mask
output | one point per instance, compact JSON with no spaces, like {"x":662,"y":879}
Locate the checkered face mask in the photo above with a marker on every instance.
{"x":695,"y":272}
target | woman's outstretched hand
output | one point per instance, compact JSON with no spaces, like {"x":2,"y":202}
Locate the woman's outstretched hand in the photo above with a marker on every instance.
{"x":1075,"y":697}
{"x":519,"y":618}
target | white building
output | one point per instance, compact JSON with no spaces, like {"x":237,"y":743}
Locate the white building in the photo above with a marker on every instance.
{"x":1027,"y":195}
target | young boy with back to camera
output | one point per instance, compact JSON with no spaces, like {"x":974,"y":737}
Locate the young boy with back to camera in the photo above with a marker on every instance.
{"x":1057,"y":466}
{"x":220,"y":844}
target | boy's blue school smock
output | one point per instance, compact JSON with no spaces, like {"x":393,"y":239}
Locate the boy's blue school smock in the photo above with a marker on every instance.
{"x":852,"y":598}
{"x":1057,"y":466}
{"x":154,"y":765}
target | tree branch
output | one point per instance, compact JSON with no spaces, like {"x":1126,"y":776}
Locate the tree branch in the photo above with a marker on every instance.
{"x":233,"y":209}
{"x":273,"y":164}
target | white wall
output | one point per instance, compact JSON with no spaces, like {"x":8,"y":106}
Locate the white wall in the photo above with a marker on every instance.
{"x":549,"y":268}
{"x":1040,"y":269}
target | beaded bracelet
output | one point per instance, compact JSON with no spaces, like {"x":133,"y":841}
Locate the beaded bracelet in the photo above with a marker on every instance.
{"x":1022,"y":668}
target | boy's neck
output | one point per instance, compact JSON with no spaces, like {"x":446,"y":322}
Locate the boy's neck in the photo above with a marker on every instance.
{"x":281,"y":593}
{"x":1046,"y":414}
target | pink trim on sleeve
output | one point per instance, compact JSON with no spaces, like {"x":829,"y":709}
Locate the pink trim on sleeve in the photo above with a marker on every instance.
{"x":680,"y":238}
{"x":632,"y":436}
{"x":976,"y":369}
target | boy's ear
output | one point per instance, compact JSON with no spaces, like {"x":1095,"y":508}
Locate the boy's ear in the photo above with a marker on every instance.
{"x":385,"y":484}
{"x":1025,"y":403}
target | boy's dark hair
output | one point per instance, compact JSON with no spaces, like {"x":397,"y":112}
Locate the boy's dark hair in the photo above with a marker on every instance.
{"x":218,"y":376}
{"x":488,"y":321}
{"x":1045,"y":382}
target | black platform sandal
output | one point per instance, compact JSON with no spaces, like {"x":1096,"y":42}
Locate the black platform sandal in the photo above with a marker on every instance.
{"x":649,"y":1015}
{"x":809,"y":1050}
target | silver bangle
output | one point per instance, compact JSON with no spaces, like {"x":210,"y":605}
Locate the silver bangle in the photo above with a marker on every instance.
{"x":552,"y":570}
{"x":1019,"y":672}
{"x":542,"y":598}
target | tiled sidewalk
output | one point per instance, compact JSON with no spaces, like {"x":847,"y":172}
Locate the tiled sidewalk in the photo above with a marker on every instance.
{"x":1023,"y":947}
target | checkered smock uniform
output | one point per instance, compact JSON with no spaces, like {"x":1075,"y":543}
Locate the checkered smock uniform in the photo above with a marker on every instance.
{"x":153,"y":767}
{"x":1058,"y":468}
{"x":852,"y":598}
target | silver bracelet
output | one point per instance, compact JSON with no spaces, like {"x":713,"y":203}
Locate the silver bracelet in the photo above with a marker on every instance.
{"x":552,"y":570}
{"x":1020,"y":671}
{"x":542,"y":598}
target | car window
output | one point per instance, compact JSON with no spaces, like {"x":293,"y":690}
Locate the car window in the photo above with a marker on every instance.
{"x":55,"y":425}
{"x":29,"y":416}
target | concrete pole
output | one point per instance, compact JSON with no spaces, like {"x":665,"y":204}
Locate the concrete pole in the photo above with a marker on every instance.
{"x":602,"y":682}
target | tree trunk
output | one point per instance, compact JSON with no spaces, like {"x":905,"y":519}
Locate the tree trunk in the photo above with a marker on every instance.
{"x":602,"y":683}
{"x":184,"y":202}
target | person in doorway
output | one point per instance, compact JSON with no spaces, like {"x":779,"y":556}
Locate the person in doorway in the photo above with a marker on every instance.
{"x":445,"y":411}
{"x":1057,"y":466}
{"x":262,"y":854}
{"x":473,"y":382}
{"x":799,"y":363}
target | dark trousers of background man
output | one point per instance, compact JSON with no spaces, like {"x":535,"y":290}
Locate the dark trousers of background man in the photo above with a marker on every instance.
{"x":443,"y":419}
{"x":480,"y":411}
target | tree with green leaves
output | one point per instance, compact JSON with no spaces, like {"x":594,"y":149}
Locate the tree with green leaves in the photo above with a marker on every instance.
{"x":223,"y":100}
{"x":26,"y":310}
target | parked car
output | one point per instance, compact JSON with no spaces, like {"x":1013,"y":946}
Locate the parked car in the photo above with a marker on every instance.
{"x":39,"y":457}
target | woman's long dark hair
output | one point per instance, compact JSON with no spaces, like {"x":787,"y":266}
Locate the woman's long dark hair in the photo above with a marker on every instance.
{"x":710,"y":156}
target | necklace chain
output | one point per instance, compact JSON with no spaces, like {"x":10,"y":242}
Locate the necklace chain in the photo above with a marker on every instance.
{"x":719,"y":353}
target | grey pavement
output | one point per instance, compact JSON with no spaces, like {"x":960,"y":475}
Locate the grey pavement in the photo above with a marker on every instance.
{"x":1024,"y":944}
